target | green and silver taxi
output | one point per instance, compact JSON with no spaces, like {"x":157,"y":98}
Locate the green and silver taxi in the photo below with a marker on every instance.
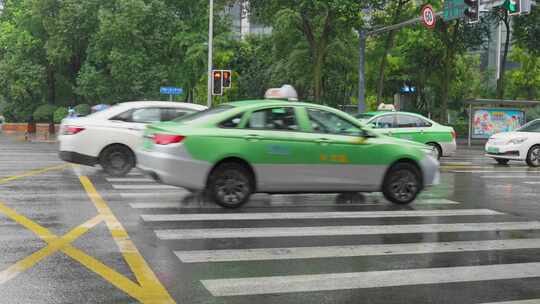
{"x":412,"y":126}
{"x":273,"y":146}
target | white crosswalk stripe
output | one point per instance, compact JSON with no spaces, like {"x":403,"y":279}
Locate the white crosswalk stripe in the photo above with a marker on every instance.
{"x":371,"y":279}
{"x":311,"y":215}
{"x":533,"y":301}
{"x":189,"y":234}
{"x":144,"y":187}
{"x":205,"y":256}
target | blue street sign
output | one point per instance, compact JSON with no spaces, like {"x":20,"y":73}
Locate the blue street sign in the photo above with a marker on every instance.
{"x":171,"y":91}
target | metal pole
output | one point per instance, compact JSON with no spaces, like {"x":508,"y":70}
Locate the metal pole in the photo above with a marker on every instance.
{"x":210,"y":50}
{"x":170,"y":97}
{"x":470,"y":126}
{"x":362,"y":72}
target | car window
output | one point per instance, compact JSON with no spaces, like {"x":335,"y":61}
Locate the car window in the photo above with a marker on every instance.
{"x":330,"y":123}
{"x":533,"y":126}
{"x":168,"y":114}
{"x":282,"y":118}
{"x":146,"y":115}
{"x":233,"y":122}
{"x":204,"y":114}
{"x":124,"y":116}
{"x":409,"y":121}
{"x":384,"y":122}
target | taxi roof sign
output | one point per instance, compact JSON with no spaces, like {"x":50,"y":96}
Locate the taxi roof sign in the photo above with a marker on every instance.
{"x":386,"y":107}
{"x":286,"y":92}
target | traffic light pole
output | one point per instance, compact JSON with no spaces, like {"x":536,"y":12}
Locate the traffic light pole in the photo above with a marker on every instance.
{"x":210,"y":50}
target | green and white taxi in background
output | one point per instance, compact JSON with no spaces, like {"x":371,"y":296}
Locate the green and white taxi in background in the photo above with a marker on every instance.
{"x":279,"y":146}
{"x":413,"y":127}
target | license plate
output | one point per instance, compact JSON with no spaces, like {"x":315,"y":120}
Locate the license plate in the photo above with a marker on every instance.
{"x":493,"y":150}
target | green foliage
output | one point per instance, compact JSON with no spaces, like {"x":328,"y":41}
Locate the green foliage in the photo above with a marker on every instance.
{"x":44,"y":113}
{"x":527,"y":30}
{"x":523,"y":83}
{"x":59,"y":114}
{"x":82,"y":109}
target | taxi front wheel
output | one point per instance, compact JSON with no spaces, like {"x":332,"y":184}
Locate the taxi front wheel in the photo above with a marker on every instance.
{"x":402,"y":183}
{"x":229,"y":185}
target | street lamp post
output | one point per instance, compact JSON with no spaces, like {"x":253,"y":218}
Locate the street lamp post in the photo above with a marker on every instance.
{"x":210,"y":50}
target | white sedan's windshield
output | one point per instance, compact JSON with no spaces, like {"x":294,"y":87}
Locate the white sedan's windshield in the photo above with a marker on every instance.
{"x":533,"y":126}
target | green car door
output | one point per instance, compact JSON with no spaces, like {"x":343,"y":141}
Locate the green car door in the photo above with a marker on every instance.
{"x":275,"y":143}
{"x":412,"y":127}
{"x":347,"y":159}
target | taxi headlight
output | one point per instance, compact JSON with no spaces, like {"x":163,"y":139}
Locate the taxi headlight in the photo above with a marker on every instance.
{"x":517,"y":141}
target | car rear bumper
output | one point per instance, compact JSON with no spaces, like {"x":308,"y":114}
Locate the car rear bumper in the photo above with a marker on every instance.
{"x":173,"y":166}
{"x":77,"y":158}
{"x":448,"y":148}
{"x":430,"y":171}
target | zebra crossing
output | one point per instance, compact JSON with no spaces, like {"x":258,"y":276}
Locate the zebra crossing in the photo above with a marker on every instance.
{"x":303,"y":249}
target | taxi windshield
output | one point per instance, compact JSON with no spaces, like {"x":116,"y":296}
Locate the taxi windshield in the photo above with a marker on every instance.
{"x":203,"y":114}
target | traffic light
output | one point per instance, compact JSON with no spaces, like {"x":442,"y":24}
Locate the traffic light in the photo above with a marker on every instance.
{"x":513,"y":7}
{"x":227,"y":79}
{"x":217,"y":82}
{"x":472,"y":12}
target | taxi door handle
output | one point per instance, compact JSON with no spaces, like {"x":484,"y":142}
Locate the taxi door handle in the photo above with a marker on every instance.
{"x":389,"y":133}
{"x":323,"y":141}
{"x":253,"y":137}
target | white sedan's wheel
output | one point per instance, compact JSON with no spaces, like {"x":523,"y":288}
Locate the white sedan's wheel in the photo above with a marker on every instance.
{"x":533,"y":157}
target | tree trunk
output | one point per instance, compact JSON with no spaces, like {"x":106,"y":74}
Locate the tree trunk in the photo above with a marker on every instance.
{"x":382,"y":66}
{"x":51,"y":94}
{"x":388,"y":46}
{"x":500,"y":82}
{"x":318,"y":76}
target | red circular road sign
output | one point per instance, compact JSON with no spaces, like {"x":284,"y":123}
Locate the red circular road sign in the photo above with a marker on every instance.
{"x":429,"y":19}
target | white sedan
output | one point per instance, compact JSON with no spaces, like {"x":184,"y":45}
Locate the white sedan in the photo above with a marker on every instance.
{"x":522,"y":145}
{"x":109,"y":137}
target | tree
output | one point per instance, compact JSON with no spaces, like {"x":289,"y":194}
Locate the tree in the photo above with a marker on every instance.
{"x":318,"y":22}
{"x":527,"y":30}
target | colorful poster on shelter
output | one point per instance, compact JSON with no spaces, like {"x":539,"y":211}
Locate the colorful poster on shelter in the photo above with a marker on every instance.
{"x":487,"y":122}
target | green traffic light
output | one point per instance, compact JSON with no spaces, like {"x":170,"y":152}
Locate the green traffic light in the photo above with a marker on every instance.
{"x":510,"y":5}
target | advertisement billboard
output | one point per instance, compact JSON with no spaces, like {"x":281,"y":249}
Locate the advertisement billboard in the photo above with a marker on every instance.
{"x":487,"y":122}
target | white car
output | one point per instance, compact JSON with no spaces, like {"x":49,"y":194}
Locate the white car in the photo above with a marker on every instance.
{"x":522,"y":145}
{"x":109,"y":137}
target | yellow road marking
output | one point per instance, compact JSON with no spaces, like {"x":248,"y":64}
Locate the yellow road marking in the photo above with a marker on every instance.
{"x":149,"y":290}
{"x":63,"y":244}
{"x":6,"y":180}
{"x":55,"y":243}
{"x":145,"y":276}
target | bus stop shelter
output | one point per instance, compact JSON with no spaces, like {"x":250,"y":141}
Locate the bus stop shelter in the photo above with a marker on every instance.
{"x":490,"y":116}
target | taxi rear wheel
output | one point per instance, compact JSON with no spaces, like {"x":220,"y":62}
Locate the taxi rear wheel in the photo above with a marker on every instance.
{"x":117,"y":160}
{"x":533,"y":157}
{"x":402,"y":183}
{"x":230,"y":185}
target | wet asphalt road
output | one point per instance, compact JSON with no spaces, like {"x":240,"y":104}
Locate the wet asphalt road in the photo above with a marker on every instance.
{"x":473,"y":239}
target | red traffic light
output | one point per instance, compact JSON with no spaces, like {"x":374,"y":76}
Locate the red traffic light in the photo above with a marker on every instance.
{"x":227,"y":79}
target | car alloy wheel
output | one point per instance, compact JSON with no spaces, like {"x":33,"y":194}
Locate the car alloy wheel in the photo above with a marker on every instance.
{"x":230,"y":185}
{"x":117,"y":160}
{"x":402,"y":183}
{"x":533,"y":157}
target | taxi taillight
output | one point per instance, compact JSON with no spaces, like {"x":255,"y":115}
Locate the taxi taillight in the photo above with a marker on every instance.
{"x":454,"y":134}
{"x":167,"y":139}
{"x":71,"y":130}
